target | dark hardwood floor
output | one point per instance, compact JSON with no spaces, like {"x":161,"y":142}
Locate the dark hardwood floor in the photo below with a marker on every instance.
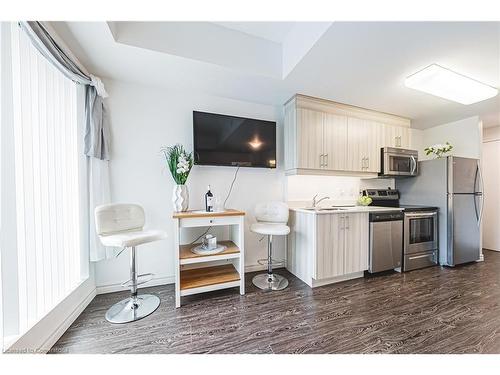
{"x":434,"y":310}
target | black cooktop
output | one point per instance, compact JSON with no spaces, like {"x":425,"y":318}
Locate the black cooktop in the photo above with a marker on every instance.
{"x":390,"y":198}
{"x":415,"y":208}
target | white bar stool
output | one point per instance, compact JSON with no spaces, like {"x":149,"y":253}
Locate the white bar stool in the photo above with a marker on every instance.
{"x":272,"y":218}
{"x":121,"y":225}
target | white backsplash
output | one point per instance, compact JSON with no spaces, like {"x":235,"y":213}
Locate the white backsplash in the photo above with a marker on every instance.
{"x":342,"y":190}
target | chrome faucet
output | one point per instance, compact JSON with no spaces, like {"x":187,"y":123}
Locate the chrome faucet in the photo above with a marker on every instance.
{"x":315,"y":202}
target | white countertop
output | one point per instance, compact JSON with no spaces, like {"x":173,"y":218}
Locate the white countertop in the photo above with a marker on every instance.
{"x":347,"y":210}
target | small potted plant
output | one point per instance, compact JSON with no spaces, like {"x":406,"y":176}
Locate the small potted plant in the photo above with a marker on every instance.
{"x":179,"y":162}
{"x":439,"y":150}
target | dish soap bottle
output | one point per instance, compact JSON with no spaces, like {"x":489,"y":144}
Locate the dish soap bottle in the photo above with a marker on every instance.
{"x":209,"y":197}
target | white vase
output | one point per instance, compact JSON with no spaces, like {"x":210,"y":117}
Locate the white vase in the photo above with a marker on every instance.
{"x":180,"y":198}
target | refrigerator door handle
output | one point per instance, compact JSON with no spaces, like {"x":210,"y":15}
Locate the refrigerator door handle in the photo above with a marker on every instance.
{"x":480,"y":178}
{"x":479,"y":193}
{"x":475,"y":210}
{"x":481,"y":210}
{"x":475,"y":177}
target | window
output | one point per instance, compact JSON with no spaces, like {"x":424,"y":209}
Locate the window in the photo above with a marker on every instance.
{"x":47,"y":181}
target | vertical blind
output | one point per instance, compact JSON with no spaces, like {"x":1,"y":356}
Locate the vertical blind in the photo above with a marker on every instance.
{"x":47,"y":187}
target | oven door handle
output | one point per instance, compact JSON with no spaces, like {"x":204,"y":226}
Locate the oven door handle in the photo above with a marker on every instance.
{"x":420,"y":214}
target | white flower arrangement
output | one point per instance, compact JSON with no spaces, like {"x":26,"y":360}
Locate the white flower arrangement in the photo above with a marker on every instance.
{"x":179,"y":162}
{"x":438,"y":149}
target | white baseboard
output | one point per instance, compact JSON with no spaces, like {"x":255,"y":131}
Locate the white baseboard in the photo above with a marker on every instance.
{"x":337,"y":279}
{"x":52,"y":339}
{"x":111,"y":288}
{"x":259,"y":267}
{"x":44,"y":334}
{"x":255,"y":267}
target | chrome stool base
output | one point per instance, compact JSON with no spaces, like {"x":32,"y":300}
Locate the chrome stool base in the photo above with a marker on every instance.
{"x":267,"y":281}
{"x":132,"y":309}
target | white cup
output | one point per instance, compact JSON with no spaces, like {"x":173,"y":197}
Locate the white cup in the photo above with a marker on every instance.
{"x":209,"y":242}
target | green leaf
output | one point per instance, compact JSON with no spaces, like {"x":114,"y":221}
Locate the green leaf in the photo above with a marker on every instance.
{"x":172,"y":155}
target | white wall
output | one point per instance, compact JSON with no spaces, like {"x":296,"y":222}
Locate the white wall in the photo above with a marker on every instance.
{"x":342,"y":190}
{"x":144,"y":119}
{"x":8,"y":237}
{"x":465,"y":136}
{"x":492,"y":133}
{"x":491,"y":172}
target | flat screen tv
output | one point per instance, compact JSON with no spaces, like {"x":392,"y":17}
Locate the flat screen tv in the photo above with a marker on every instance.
{"x":233,"y":141}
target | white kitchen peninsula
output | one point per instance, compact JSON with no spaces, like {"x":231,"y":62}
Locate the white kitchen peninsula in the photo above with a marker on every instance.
{"x":328,"y":246}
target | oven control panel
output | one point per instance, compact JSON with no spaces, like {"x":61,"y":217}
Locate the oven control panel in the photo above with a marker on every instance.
{"x":384,"y":194}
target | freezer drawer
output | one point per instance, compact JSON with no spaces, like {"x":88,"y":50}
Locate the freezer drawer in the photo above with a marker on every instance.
{"x":420,"y":260}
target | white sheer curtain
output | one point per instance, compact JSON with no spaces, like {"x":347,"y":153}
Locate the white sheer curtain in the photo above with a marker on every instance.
{"x":99,"y":193}
{"x":96,"y":135}
{"x":47,"y":182}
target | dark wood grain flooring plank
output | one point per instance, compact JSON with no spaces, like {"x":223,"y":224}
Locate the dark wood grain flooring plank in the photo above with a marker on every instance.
{"x":434,"y":310}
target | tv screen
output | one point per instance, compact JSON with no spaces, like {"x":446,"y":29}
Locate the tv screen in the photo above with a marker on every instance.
{"x":233,"y":141}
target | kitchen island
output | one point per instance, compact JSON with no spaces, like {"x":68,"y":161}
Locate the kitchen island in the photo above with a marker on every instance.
{"x":329,"y":244}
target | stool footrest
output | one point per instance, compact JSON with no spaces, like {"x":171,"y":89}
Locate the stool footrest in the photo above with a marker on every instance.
{"x":274,"y":262}
{"x":141,"y":279}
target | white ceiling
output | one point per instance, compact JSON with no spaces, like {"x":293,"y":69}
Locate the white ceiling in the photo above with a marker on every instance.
{"x":273,"y":31}
{"x":358,"y":63}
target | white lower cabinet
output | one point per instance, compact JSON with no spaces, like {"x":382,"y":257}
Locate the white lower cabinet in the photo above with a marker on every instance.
{"x":356,"y":243}
{"x":326,"y":248}
{"x":330,"y":241}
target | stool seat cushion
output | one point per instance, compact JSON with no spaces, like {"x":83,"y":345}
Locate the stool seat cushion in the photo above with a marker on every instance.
{"x":132,"y":238}
{"x":275,"y":229}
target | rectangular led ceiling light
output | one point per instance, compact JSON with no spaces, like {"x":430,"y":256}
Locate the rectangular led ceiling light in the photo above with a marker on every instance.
{"x":442,"y":82}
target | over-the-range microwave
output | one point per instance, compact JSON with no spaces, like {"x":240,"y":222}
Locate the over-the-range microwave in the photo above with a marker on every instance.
{"x":398,"y":162}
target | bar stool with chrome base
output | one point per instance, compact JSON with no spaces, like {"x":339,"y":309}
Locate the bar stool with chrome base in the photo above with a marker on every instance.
{"x":271,"y":218}
{"x":121,"y":225}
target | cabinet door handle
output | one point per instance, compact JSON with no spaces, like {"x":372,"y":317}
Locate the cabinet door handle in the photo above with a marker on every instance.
{"x":368,"y":163}
{"x":321,"y":156}
{"x":326,"y":158}
{"x":347,"y":219}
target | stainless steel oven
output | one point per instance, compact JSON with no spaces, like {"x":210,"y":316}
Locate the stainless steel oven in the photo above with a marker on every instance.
{"x":420,"y":239}
{"x":398,"y":162}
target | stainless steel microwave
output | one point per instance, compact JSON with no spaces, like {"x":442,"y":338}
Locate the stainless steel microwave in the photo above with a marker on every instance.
{"x":396,"y":162}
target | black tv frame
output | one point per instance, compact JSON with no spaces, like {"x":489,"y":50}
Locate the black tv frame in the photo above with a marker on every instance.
{"x":234,"y":164}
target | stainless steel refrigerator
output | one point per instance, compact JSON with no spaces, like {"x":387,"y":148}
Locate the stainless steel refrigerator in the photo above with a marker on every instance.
{"x":453,"y":184}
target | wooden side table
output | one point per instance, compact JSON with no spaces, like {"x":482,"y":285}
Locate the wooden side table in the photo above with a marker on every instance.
{"x":196,"y":273}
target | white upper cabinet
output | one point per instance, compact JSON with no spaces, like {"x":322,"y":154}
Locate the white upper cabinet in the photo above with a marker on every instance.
{"x":396,"y":136}
{"x":334,"y":142}
{"x":324,"y":137}
{"x":364,"y":141}
{"x":310,"y":138}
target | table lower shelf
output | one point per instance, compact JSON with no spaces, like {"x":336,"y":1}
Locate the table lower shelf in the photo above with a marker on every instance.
{"x":199,"y":280}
